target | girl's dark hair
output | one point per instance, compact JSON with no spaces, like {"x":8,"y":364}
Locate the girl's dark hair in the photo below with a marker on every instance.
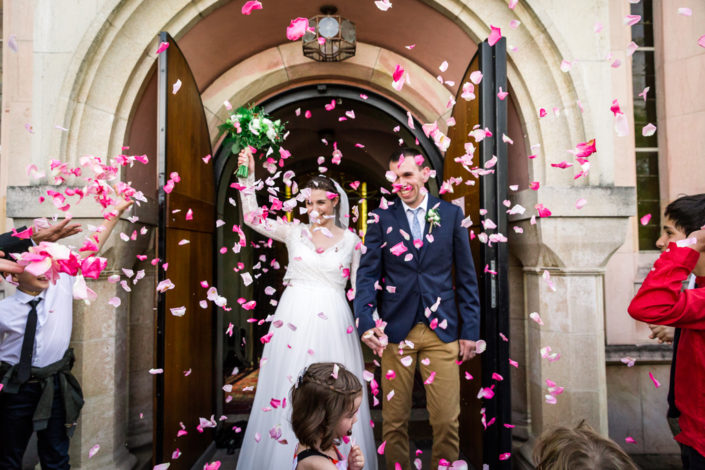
{"x":319,"y":401}
{"x":687,"y":212}
{"x":580,"y":448}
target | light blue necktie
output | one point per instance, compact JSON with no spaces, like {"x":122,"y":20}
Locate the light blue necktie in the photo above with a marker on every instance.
{"x":415,"y":225}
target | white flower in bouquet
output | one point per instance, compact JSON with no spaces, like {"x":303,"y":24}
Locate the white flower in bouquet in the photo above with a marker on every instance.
{"x":255,"y":126}
{"x":271,"y":131}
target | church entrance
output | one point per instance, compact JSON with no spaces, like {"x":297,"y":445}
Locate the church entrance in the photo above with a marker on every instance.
{"x":222,"y":346}
{"x":366,"y":128}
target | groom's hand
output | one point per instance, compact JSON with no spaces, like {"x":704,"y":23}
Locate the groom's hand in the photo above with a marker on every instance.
{"x":376,"y":340}
{"x":467,"y":349}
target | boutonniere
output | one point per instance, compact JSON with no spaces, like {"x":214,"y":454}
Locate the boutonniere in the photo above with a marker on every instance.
{"x":433,"y":218}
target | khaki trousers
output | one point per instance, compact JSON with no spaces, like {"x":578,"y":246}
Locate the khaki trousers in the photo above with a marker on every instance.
{"x":442,"y":396}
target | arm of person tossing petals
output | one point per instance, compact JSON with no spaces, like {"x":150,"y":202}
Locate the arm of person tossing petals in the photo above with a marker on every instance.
{"x":368,"y":274}
{"x":252,"y":213}
{"x":7,"y":266}
{"x":661,"y":300}
{"x":103,"y":232}
{"x":56,"y":232}
{"x":466,"y":288}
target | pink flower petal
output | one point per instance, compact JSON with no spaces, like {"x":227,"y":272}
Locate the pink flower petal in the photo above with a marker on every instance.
{"x":476,"y":77}
{"x":162,"y":47}
{"x":631,"y":48}
{"x":251,"y":5}
{"x":657,"y":384}
{"x":380,"y":449}
{"x":383,"y":5}
{"x":495,"y":35}
{"x":645,"y":219}
{"x":685,"y":11}
{"x":535,"y":317}
{"x":701,"y":42}
{"x":631,"y":20}
{"x":648,"y":130}
{"x":296,"y":29}
{"x":398,"y":249}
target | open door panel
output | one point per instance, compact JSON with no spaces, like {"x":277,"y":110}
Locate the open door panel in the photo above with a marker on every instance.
{"x":185,"y":344}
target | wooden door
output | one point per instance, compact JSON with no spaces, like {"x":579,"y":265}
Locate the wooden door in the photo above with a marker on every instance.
{"x":487,"y":192}
{"x":185,"y":351}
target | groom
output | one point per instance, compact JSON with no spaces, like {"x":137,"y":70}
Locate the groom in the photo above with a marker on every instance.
{"x":406,"y":274}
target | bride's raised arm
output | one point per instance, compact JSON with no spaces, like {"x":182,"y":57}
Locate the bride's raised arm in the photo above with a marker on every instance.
{"x":254,"y":216}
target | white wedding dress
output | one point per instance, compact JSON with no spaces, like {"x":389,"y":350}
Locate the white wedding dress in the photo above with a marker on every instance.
{"x":312,"y":323}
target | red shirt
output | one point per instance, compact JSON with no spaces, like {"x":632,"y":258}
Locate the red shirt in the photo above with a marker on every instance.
{"x":661,"y":301}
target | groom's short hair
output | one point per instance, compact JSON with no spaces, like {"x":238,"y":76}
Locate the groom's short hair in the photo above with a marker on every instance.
{"x":408,"y":152}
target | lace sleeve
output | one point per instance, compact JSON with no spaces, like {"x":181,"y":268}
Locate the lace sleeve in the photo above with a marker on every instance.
{"x":253,"y":216}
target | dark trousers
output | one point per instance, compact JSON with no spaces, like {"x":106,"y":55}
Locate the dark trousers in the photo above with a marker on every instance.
{"x":692,"y":459}
{"x":16,"y":412}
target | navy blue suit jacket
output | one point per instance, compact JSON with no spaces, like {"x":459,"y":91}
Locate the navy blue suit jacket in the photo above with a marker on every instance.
{"x":420,"y":281}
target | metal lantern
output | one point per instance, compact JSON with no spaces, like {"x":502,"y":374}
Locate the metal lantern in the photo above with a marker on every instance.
{"x":333,"y":40}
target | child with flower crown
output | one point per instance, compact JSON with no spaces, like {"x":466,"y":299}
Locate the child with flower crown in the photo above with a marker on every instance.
{"x":325,"y":401}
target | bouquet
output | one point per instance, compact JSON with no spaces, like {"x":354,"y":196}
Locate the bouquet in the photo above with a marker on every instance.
{"x":251,"y":127}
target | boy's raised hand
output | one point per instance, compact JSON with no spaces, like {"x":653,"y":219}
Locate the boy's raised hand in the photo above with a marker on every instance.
{"x":356,"y":459}
{"x":56,"y":232}
{"x":123,"y":204}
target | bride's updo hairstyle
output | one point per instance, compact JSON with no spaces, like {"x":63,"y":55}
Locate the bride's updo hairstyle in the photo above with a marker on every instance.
{"x":323,"y":394}
{"x":324,"y":183}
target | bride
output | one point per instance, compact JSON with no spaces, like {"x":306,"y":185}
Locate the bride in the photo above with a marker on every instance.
{"x":312,"y":323}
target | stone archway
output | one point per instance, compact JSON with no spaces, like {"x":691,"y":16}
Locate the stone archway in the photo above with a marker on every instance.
{"x":109,"y":69}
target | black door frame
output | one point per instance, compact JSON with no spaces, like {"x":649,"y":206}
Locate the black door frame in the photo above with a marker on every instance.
{"x":495,"y":287}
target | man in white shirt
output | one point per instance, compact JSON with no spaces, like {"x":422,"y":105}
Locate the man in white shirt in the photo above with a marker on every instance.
{"x":37,"y":390}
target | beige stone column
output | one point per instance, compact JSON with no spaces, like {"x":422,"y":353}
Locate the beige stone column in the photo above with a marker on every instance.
{"x":100,"y":335}
{"x":572,"y":246}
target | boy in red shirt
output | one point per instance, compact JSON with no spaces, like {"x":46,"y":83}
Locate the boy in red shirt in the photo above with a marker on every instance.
{"x":661,"y":300}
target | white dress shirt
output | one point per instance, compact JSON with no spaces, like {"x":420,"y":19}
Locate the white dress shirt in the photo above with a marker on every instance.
{"x":421,"y":215}
{"x":54,"y":323}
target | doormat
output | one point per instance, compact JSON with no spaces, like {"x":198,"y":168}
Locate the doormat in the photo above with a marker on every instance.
{"x":243,"y":392}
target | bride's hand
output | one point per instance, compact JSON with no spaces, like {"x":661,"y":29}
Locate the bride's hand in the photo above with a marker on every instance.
{"x":245,"y":158}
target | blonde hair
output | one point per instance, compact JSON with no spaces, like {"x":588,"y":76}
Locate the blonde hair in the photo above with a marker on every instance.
{"x":580,"y":448}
